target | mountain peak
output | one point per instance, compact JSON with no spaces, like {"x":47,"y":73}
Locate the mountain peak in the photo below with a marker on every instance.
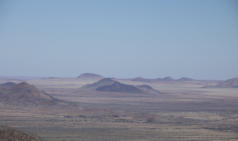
{"x":185,"y":79}
{"x":101,"y":82}
{"x":230,"y":83}
{"x":118,"y":87}
{"x":25,"y":87}
{"x":106,"y":80}
{"x":26,"y":94}
{"x":111,"y":85}
{"x":90,"y":76}
{"x":7,"y":85}
{"x":168,"y":78}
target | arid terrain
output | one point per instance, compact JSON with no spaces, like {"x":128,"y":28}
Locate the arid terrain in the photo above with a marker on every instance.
{"x":93,"y":108}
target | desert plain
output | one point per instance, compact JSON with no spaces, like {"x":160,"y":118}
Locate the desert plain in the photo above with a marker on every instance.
{"x":122,"y":109}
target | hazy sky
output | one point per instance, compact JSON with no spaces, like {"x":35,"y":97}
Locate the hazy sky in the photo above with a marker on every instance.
{"x":121,"y":38}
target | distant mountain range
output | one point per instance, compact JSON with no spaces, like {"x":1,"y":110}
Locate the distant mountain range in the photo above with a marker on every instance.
{"x":111,"y":85}
{"x":230,"y":83}
{"x":139,"y":79}
{"x":165,"y":79}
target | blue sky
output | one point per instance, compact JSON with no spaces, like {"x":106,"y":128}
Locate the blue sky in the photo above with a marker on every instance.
{"x":120,"y":38}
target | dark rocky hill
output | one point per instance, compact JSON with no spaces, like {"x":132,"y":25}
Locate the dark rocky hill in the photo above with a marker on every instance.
{"x":119,"y":87}
{"x":111,"y":85}
{"x":102,"y":82}
{"x":11,"y":134}
{"x":26,"y":94}
{"x":7,"y":85}
{"x":148,"y":89}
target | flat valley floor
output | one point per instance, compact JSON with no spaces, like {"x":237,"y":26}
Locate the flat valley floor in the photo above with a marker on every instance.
{"x":183,"y":111}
